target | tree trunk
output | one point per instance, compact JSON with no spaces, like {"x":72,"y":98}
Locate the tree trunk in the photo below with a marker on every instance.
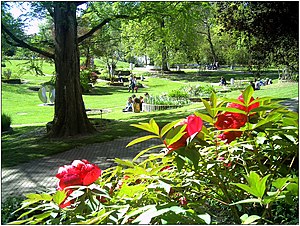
{"x":211,"y":45}
{"x":164,"y":58}
{"x":70,"y":118}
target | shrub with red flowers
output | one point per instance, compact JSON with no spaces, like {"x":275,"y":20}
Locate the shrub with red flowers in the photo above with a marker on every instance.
{"x":230,"y":163}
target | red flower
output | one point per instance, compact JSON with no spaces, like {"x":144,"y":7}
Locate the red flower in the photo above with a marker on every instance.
{"x":193,"y":126}
{"x":166,"y":168}
{"x":229,"y":120}
{"x":241,"y":107}
{"x":78,"y":173}
{"x":183,"y":201}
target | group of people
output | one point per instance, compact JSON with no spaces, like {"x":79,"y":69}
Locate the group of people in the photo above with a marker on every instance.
{"x":259,"y":82}
{"x":134,"y":103}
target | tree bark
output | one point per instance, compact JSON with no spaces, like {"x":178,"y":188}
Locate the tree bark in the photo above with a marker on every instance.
{"x":212,"y":49}
{"x":70,"y":118}
{"x":164,"y":58}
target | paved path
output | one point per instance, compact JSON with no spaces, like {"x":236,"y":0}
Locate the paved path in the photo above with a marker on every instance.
{"x":40,"y":174}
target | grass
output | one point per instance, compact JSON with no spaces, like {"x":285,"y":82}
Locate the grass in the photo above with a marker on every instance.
{"x":27,"y":141}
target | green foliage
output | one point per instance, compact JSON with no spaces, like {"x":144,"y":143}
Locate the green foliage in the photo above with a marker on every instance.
{"x":8,"y":207}
{"x":198,"y":90}
{"x":167,"y":100}
{"x":5,"y":122}
{"x":247,"y":180}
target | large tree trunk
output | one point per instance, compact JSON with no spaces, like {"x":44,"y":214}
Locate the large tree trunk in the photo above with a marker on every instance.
{"x":70,"y":118}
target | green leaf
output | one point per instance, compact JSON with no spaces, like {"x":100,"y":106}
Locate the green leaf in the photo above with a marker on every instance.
{"x":169,"y":126}
{"x":204,"y":117}
{"x":131,"y":191}
{"x":213,"y":99}
{"x":141,"y":139}
{"x":175,"y":134}
{"x":135,"y":212}
{"x":248,"y":189}
{"x":154,"y":126}
{"x":293,"y":188}
{"x":247,"y":201}
{"x":102,"y":215}
{"x":206,"y":217}
{"x":46,"y":197}
{"x":207,"y":106}
{"x":124,"y":162}
{"x":280,"y":182}
{"x":247,"y":94}
{"x":151,"y":127}
{"x":180,"y":162}
{"x":249,"y":219}
{"x":59,"y":197}
{"x":146,"y":150}
{"x":236,"y":101}
{"x":234,"y":110}
{"x":146,"y":217}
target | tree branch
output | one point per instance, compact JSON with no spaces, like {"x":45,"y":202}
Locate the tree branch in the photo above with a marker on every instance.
{"x":99,"y":26}
{"x":23,"y":44}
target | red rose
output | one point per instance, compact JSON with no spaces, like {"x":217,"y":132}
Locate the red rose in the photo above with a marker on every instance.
{"x":193,"y":126}
{"x":79,"y":173}
{"x":241,"y":107}
{"x":230,"y":120}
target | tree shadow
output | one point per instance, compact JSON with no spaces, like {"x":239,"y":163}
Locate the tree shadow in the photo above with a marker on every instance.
{"x":214,"y":76}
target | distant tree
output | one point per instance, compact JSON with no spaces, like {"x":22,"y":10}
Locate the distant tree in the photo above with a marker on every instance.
{"x":272,"y":29}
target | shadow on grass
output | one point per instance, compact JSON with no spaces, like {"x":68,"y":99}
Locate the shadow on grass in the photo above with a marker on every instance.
{"x":214,"y":76}
{"x":28,"y":143}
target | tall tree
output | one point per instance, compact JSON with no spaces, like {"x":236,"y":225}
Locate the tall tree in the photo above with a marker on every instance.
{"x":70,"y":118}
{"x":272,"y":29}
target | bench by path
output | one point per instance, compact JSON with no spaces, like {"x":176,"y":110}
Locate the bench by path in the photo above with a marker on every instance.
{"x":40,"y":174}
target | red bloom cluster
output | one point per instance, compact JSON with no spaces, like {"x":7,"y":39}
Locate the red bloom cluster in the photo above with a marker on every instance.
{"x":193,"y":126}
{"x":80,"y":172}
{"x":230,"y":120}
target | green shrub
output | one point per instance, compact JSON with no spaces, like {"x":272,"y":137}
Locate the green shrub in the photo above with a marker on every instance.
{"x":178,"y":94}
{"x":10,"y":205}
{"x":166,"y":100}
{"x":198,"y":90}
{"x":5,"y":122}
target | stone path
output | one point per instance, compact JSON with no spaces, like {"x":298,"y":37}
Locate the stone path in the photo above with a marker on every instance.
{"x":40,"y":174}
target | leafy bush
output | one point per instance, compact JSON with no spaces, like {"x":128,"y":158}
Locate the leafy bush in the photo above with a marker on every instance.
{"x":8,"y":207}
{"x":231,"y":165}
{"x":5,"y":122}
{"x":166,"y":100}
{"x":198,"y":90}
{"x":178,"y":94}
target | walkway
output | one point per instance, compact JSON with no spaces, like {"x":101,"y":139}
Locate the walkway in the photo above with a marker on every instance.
{"x":40,"y":174}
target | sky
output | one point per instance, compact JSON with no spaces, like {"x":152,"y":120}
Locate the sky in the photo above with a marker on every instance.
{"x":34,"y":23}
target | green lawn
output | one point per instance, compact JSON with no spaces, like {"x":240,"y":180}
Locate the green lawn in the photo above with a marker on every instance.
{"x":27,"y":141}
